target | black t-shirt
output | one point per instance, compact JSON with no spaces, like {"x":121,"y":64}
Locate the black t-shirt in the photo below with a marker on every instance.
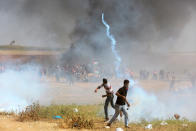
{"x":122,"y":91}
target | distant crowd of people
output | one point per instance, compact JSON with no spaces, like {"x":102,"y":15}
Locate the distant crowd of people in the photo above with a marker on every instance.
{"x":93,"y":72}
{"x":161,"y":75}
{"x":87,"y":73}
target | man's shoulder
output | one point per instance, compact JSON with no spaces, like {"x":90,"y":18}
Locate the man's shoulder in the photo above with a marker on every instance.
{"x":120,"y":89}
{"x":108,"y":85}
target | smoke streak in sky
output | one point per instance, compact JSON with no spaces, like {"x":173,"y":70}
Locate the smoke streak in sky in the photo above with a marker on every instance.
{"x":113,"y":46}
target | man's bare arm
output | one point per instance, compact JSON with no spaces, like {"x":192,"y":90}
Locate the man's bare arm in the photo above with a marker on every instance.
{"x":98,"y":88}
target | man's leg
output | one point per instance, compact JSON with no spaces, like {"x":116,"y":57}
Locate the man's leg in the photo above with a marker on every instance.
{"x":126,"y":115}
{"x":112,"y":102}
{"x":115,"y":115}
{"x":106,"y":108}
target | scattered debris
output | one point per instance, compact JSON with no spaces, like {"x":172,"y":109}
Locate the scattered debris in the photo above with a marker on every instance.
{"x":75,"y":110}
{"x":119,"y":129}
{"x":185,"y":125}
{"x":163,"y":123}
{"x":149,"y":126}
{"x":75,"y":125}
{"x":57,"y":117}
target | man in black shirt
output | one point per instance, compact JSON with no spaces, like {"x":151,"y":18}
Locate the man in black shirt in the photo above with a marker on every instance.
{"x":120,"y":103}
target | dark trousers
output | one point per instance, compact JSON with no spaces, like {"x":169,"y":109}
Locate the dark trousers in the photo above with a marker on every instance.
{"x":108,"y":100}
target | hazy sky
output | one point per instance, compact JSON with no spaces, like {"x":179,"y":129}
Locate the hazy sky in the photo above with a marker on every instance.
{"x":138,"y":25}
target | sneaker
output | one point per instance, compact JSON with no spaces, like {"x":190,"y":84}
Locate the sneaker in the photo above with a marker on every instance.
{"x":108,"y":124}
{"x":107,"y":127}
{"x":127,"y":127}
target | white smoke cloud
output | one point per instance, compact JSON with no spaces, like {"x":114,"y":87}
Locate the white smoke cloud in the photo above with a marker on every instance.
{"x":162,"y":106}
{"x":20,"y":89}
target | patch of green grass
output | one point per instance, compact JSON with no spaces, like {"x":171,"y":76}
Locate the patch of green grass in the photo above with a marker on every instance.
{"x":90,"y":111}
{"x":74,"y":116}
{"x":89,"y":117}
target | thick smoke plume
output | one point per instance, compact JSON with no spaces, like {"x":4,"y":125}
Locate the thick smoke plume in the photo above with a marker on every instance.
{"x":141,"y":27}
{"x":145,"y":30}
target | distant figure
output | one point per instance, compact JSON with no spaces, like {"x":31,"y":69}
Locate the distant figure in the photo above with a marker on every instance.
{"x":109,"y":95}
{"x":161,"y":75}
{"x":168,"y":75}
{"x":12,"y":42}
{"x":141,"y":74}
{"x":57,"y":73}
{"x":193,"y":80}
{"x":155,"y":76}
{"x":172,"y":83}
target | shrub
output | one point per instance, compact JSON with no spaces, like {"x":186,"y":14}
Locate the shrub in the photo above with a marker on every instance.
{"x":31,"y":113}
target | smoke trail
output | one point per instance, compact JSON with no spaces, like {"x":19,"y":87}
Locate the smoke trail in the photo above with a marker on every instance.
{"x":143,"y":103}
{"x":113,"y":46}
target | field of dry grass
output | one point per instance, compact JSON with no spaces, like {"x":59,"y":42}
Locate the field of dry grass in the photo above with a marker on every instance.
{"x":86,"y":117}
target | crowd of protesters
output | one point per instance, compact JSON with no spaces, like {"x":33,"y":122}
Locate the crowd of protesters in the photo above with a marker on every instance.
{"x":155,"y":75}
{"x":93,"y":72}
{"x":72,"y":73}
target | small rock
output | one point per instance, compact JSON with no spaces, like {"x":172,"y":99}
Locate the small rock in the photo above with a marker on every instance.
{"x":185,"y":125}
{"x":75,"y":124}
{"x":163,"y":123}
{"x":75,"y":110}
{"x":149,"y":126}
{"x":119,"y":129}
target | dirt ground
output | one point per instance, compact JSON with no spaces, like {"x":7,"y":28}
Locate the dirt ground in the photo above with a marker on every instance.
{"x":83,"y":93}
{"x":79,"y":93}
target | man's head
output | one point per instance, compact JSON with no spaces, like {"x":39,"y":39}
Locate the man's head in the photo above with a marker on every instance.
{"x":126,"y":83}
{"x":105,"y":81}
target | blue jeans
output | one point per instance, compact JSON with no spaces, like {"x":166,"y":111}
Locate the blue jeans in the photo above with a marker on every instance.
{"x":119,"y":108}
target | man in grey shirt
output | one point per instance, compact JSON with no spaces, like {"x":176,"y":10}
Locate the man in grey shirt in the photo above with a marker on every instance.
{"x":109,"y":95}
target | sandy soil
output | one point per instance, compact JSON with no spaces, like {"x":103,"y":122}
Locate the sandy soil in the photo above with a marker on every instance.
{"x":83,"y":93}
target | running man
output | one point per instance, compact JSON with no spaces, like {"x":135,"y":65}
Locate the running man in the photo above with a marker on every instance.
{"x":109,"y":95}
{"x":120,"y":103}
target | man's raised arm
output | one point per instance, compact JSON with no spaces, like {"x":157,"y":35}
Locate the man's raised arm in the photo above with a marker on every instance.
{"x":98,"y":88}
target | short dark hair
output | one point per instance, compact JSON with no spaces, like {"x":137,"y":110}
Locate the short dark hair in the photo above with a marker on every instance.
{"x":105,"y":80}
{"x":126,"y":81}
